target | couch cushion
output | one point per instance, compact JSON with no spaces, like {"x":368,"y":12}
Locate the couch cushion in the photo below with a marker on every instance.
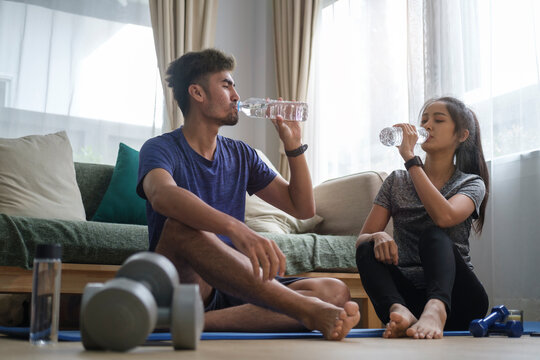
{"x":37,"y":178}
{"x":121,"y":204}
{"x":263,"y":217}
{"x":345,"y":202}
{"x":93,"y":181}
{"x":84,"y":242}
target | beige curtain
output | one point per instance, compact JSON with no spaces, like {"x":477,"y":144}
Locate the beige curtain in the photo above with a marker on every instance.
{"x":180,"y":26}
{"x":294,"y":26}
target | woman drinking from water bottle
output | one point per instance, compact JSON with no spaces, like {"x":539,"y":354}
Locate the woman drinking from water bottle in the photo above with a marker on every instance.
{"x":421,"y":280}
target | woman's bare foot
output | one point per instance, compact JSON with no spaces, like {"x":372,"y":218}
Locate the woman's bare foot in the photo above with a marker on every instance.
{"x":334,"y":322}
{"x":400,"y":320}
{"x":431,"y":322}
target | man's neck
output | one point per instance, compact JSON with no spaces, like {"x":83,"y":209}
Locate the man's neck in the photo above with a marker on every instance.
{"x":201,"y":136}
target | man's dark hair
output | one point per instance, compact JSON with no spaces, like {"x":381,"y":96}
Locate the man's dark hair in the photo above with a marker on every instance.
{"x":193,"y":68}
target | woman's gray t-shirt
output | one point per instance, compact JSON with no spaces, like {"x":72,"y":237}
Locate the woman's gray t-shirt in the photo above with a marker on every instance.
{"x":398,"y":195}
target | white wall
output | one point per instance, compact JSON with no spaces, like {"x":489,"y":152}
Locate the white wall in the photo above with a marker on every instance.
{"x":506,"y":254}
{"x":245,"y":30}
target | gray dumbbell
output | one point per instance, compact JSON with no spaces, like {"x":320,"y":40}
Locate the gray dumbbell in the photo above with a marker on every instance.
{"x":120,"y":314}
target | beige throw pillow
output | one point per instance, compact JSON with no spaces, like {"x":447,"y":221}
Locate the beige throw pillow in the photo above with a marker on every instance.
{"x":263,"y":217}
{"x":37,"y":178}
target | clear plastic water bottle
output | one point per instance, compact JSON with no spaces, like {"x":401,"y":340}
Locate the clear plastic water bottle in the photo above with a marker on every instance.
{"x":393,"y":136}
{"x":262,"y":108}
{"x":45,"y":294}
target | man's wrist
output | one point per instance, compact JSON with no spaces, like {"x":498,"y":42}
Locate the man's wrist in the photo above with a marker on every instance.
{"x":296,"y":152}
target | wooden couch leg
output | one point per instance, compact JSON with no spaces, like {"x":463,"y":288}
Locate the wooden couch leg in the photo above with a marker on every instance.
{"x":369,"y":318}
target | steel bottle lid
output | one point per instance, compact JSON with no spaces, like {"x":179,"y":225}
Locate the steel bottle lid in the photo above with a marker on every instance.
{"x":48,"y":251}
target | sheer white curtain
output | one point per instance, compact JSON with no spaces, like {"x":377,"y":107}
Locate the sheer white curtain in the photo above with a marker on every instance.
{"x":376,"y":63}
{"x":359,"y":86}
{"x":87,"y":67}
{"x":487,"y":53}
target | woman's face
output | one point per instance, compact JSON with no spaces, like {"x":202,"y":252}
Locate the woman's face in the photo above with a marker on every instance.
{"x":441,"y":128}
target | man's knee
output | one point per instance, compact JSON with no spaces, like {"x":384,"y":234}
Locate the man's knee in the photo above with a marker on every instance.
{"x":330,"y":290}
{"x":339,"y":291}
{"x":174,"y":231}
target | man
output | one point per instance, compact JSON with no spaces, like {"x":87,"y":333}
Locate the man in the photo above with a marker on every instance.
{"x":195,"y":182}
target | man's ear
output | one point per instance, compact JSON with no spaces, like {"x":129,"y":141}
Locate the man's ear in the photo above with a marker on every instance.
{"x":464,"y":135}
{"x":196,"y":91}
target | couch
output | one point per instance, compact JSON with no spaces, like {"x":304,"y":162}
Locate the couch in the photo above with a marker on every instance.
{"x":94,"y":250}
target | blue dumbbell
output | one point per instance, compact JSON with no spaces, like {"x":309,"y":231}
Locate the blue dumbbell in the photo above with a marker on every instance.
{"x":512,"y":328}
{"x":480,"y":327}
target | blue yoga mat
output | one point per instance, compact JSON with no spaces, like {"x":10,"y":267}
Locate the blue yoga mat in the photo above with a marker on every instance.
{"x":22,"y":332}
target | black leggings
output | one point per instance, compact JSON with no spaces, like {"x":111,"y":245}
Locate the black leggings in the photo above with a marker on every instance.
{"x":447,"y":277}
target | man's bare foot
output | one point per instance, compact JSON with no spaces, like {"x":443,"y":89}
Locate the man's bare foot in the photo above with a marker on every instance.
{"x":334,"y":322}
{"x":400,"y":320}
{"x":431,"y":322}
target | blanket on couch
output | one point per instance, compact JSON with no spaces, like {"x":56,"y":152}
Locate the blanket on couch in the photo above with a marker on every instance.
{"x":90,"y":242}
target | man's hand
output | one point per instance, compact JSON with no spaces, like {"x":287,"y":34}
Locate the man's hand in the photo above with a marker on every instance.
{"x":289,"y":132}
{"x":261,"y":252}
{"x":385,"y":248}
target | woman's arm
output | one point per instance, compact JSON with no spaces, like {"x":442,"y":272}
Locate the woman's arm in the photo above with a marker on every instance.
{"x":443,"y":212}
{"x":384,"y":246}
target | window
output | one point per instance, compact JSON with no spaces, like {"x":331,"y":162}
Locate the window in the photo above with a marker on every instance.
{"x":359,"y":85}
{"x":376,"y":62}
{"x":88,"y":68}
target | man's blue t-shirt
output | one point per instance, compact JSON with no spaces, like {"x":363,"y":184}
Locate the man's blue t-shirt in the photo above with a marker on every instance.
{"x":221,"y":183}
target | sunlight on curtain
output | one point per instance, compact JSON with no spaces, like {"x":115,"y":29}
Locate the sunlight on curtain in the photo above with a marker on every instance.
{"x":359,"y":86}
{"x":85,"y":67}
{"x":375,"y":63}
{"x":378,"y":61}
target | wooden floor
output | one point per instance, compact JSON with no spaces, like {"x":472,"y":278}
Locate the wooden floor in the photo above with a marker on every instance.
{"x":460,"y":347}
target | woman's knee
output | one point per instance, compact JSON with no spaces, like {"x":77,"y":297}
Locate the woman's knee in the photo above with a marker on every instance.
{"x":364,"y":251}
{"x":434,"y":237}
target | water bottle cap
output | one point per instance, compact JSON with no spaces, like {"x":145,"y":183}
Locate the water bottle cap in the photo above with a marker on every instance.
{"x":48,"y":251}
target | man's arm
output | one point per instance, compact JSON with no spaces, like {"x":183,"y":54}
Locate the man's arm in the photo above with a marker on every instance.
{"x":183,"y":206}
{"x":296,"y":196}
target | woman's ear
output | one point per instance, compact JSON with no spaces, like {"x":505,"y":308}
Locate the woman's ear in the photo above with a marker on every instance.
{"x":464,"y":135}
{"x":196,"y":92}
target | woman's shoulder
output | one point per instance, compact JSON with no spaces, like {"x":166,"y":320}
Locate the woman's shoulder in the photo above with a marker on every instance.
{"x":399,"y":176}
{"x":461,"y":177}
{"x":462,"y":180}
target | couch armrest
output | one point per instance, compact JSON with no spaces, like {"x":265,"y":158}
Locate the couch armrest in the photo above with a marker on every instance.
{"x":345,"y":202}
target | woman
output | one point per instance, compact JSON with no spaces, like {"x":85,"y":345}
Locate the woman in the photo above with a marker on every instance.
{"x":421,"y":281}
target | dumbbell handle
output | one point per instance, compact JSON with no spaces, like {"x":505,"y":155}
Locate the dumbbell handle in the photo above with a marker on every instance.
{"x":480,"y":327}
{"x":511,"y":328}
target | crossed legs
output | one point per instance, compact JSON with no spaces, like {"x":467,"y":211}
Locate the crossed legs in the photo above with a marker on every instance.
{"x":201,"y":257}
{"x":452,"y":298}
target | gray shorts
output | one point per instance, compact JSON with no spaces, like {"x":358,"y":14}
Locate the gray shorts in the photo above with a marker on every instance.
{"x":221,"y":300}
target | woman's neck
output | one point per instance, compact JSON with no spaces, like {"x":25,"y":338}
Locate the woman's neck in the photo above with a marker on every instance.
{"x":439,"y":168}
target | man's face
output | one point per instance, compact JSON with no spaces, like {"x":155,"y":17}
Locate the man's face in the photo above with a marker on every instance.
{"x":222,"y":98}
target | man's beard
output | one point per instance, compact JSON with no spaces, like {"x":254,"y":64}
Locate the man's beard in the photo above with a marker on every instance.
{"x":230,"y":120}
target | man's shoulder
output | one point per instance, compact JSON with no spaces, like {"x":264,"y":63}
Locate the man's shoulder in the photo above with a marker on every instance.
{"x":228,"y":142}
{"x":161,"y":141}
{"x":238,"y":147}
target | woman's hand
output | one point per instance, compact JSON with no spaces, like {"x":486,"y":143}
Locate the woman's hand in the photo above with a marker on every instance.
{"x":410,"y":137}
{"x":385,"y":248}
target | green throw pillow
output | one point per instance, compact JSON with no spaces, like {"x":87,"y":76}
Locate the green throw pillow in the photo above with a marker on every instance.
{"x":121,"y":204}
